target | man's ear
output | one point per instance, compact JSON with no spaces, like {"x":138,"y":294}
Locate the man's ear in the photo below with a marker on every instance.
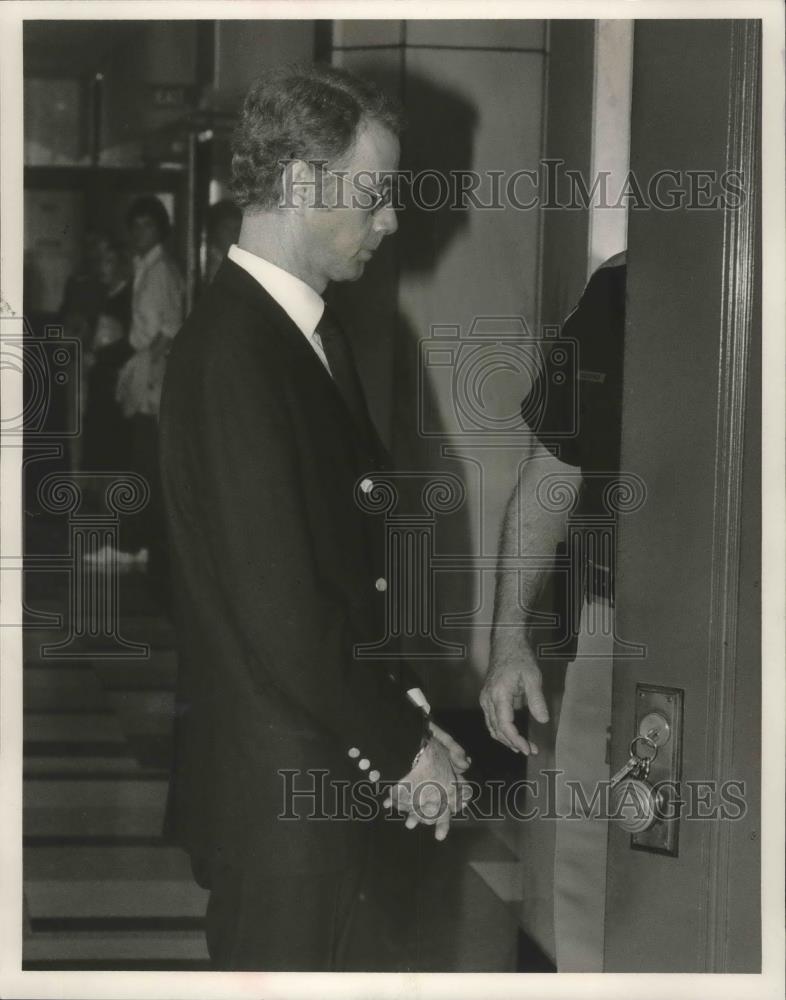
{"x":302,"y":185}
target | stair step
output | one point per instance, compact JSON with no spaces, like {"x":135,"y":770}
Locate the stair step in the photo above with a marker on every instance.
{"x":114,"y":898}
{"x":61,"y":687}
{"x":80,"y":823}
{"x":157,"y":672}
{"x":144,"y":712}
{"x":158,"y":632}
{"x":129,"y":795}
{"x":35,"y":639}
{"x":72,"y":727}
{"x":74,"y":863}
{"x":62,"y":767}
{"x":102,"y":808}
{"x":112,"y":950}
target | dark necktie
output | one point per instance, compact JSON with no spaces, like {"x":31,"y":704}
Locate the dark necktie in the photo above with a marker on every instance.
{"x":342,"y":367}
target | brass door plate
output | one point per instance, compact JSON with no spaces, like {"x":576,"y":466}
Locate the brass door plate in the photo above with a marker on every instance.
{"x":663,"y":836}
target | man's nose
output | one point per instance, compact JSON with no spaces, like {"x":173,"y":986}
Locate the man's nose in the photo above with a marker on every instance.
{"x":385,"y":220}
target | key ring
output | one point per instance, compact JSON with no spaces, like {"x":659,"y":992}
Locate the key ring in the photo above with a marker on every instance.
{"x":643,"y":739}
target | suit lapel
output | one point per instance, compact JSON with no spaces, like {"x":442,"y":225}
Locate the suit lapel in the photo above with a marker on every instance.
{"x":235,"y":282}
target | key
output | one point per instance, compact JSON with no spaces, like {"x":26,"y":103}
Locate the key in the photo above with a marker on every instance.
{"x":631,"y":768}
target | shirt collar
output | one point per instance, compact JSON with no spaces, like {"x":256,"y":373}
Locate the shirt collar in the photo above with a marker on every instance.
{"x":300,"y":301}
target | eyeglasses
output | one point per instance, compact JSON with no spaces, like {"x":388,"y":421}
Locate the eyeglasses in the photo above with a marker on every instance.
{"x":377,"y":200}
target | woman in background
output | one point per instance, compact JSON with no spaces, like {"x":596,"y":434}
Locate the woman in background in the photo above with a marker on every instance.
{"x":157,"y":312}
{"x":107,"y":433}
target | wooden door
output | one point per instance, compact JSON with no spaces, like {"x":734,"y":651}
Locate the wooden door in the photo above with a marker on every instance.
{"x":689,"y":559}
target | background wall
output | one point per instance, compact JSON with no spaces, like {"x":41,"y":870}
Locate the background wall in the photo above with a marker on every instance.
{"x":244,"y":49}
{"x":473,"y":94}
{"x":158,"y":52}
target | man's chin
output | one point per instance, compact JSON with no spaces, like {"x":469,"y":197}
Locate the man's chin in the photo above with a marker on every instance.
{"x":352,"y":271}
{"x":349,"y":269}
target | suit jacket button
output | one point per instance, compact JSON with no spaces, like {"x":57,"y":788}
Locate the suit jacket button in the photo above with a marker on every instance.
{"x":381,"y":584}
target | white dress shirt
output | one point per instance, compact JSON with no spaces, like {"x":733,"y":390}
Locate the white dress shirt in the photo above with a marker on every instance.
{"x":300,"y":302}
{"x":156,"y":308}
{"x":157,"y":300}
{"x":304,"y":306}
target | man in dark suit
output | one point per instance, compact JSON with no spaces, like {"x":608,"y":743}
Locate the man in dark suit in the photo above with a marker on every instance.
{"x":277,"y":576}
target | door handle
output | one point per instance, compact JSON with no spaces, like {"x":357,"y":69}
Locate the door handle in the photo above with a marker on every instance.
{"x":644,"y":791}
{"x":635,"y":805}
{"x":635,"y":802}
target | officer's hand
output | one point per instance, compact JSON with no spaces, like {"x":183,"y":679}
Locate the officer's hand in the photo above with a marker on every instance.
{"x":507,"y":687}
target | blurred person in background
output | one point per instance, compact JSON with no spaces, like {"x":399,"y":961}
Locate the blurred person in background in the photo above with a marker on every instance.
{"x":82,"y":298}
{"x":84,"y":292}
{"x":157,"y":310}
{"x":223,"y":229}
{"x":107,"y":433}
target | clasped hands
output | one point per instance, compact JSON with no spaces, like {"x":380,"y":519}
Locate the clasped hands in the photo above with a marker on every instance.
{"x":435,"y":789}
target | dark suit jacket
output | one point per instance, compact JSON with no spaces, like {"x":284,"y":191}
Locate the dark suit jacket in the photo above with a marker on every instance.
{"x":274,"y":572}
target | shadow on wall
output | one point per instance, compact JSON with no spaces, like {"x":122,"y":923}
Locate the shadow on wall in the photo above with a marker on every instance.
{"x":438,"y":142}
{"x":387,"y":331}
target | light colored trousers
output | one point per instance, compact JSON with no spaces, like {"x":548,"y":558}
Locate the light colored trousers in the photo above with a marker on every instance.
{"x":564,"y":860}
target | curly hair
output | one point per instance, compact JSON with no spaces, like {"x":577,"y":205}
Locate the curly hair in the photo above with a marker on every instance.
{"x":299,"y":113}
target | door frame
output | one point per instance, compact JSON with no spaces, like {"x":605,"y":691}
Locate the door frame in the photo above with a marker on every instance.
{"x":729,"y":574}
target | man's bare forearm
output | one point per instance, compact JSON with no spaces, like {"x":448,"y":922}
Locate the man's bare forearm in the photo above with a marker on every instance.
{"x":531,"y":532}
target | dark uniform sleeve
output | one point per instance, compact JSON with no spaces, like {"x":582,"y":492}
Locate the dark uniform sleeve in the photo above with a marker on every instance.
{"x":574,"y":407}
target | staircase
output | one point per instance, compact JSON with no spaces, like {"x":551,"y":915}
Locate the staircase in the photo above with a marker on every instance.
{"x":103,"y":890}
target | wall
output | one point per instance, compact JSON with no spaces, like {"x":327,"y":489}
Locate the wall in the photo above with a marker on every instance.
{"x":608,"y":226}
{"x":54,"y":111}
{"x":374,"y":50}
{"x":158,"y":52}
{"x":568,"y":139}
{"x":242,"y":51}
{"x":245,"y":49}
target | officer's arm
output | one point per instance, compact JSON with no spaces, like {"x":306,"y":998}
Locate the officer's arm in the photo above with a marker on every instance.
{"x":532,"y":531}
